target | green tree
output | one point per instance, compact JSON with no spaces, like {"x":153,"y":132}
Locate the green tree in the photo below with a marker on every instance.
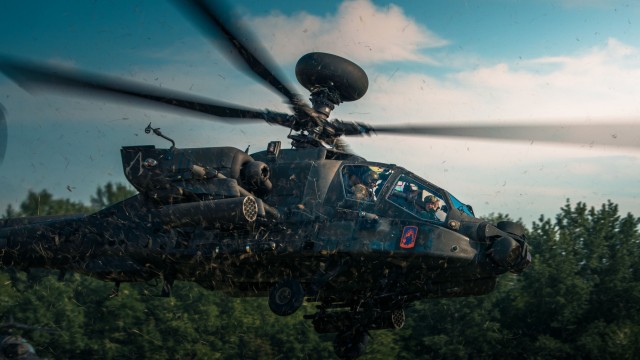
{"x":43,"y":203}
{"x":580,"y":298}
{"x":110,"y":194}
{"x":9,"y":212}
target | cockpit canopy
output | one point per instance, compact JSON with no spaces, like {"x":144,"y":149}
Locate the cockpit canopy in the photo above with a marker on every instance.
{"x":395,"y":192}
{"x":418,"y":199}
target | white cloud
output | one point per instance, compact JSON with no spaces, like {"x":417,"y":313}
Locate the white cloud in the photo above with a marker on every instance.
{"x":360,"y":31}
{"x":601,"y":83}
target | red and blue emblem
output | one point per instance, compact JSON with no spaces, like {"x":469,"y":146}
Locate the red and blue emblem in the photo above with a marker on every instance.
{"x":409,"y":236}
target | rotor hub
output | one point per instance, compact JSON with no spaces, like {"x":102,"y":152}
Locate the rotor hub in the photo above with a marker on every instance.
{"x":324,"y":100}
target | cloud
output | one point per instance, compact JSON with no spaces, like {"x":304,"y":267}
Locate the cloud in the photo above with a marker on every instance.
{"x":359,"y":30}
{"x":597,"y":84}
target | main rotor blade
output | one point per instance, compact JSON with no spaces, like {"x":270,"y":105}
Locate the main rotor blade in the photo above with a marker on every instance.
{"x":3,"y":133}
{"x":616,"y":134}
{"x":246,"y":52}
{"x":33,"y":76}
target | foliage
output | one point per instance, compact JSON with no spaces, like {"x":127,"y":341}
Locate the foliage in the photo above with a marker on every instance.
{"x":43,"y":203}
{"x":110,"y":194}
{"x":579,"y":299}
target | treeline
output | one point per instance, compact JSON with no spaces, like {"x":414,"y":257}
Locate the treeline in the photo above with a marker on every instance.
{"x":579,"y":299}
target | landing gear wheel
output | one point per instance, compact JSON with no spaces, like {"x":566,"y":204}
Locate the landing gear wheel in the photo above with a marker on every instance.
{"x":286,"y":297}
{"x":351,"y":344}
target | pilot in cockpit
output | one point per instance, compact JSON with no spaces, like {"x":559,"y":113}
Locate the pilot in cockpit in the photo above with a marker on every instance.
{"x":361,"y":182}
{"x":431,"y":206}
{"x":370,"y":181}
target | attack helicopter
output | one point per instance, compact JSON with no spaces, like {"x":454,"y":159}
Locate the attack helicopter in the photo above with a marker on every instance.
{"x":360,"y":239}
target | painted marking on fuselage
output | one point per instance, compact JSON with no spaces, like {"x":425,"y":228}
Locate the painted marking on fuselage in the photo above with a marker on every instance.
{"x":409,"y":236}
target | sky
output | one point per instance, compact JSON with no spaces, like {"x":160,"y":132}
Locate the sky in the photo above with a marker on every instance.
{"x":431,"y":62}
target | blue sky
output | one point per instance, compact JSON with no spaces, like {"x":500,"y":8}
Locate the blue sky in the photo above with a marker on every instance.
{"x":428,"y":62}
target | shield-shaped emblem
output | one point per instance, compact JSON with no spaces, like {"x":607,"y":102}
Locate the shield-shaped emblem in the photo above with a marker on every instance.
{"x":409,"y":236}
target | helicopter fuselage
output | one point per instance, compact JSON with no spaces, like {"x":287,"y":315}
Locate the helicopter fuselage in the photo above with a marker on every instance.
{"x":198,"y":217}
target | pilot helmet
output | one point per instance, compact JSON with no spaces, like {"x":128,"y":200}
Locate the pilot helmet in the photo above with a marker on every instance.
{"x":431,"y":199}
{"x":370,"y":179}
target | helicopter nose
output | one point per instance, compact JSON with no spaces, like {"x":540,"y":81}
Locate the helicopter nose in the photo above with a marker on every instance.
{"x":523,"y":260}
{"x":508,"y":253}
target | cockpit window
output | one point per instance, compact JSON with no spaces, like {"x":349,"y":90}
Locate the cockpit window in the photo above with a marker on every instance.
{"x":461,"y":206}
{"x":418,"y":199}
{"x":363,"y":182}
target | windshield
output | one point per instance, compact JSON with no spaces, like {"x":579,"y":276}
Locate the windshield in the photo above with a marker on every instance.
{"x":364,"y":182}
{"x":461,"y":206}
{"x":418,"y":199}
